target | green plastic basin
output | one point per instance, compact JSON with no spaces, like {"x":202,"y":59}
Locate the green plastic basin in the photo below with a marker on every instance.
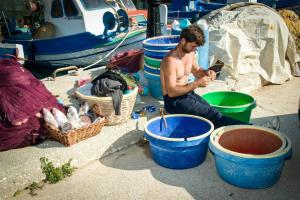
{"x":232,"y":104}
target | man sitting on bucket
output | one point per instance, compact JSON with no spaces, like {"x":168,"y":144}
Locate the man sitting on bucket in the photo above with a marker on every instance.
{"x":179,"y":95}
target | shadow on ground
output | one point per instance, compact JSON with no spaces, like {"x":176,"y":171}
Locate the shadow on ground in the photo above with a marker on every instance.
{"x":203,"y":182}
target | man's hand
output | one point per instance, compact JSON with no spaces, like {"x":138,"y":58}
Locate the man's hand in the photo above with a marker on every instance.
{"x":202,"y":81}
{"x":211,"y":74}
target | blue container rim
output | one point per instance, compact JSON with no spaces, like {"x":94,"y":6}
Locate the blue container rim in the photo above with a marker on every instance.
{"x":283,"y":152}
{"x":252,"y":104}
{"x":145,"y":42}
{"x":179,"y":139}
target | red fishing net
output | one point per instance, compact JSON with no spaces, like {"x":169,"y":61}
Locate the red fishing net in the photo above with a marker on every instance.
{"x":21,"y":97}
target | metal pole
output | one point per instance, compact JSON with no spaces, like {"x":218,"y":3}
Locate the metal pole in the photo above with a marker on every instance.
{"x":6,"y":24}
{"x":153,"y":21}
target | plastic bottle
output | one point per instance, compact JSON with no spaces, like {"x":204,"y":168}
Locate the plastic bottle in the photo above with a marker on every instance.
{"x":145,"y":90}
{"x":192,"y":5}
{"x":184,"y":23}
{"x":60,"y":101}
{"x":175,"y":28}
{"x":203,"y":51}
{"x":138,"y":99}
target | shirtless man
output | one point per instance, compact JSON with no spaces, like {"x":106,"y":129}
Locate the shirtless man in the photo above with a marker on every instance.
{"x":179,"y":96}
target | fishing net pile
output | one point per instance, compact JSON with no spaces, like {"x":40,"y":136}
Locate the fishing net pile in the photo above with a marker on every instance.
{"x":22,"y":96}
{"x":293,"y":23}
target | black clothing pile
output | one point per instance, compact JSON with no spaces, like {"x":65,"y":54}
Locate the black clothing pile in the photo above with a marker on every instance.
{"x":110,"y":84}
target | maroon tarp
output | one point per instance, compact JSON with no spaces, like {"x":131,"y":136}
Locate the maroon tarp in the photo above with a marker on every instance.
{"x":128,"y":61}
{"x":21,"y":97}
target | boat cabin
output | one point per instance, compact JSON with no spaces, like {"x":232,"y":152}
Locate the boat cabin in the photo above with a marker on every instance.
{"x":57,"y":18}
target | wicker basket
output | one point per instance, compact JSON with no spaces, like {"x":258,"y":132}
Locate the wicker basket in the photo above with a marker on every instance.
{"x":105,"y":105}
{"x":76,"y":135}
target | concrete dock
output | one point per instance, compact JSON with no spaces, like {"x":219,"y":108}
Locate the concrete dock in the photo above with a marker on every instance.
{"x":116,"y":164}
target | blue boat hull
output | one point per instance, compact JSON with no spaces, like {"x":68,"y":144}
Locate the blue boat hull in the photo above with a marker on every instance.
{"x":79,"y":49}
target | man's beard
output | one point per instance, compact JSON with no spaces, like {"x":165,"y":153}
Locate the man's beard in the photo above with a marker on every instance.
{"x":185,"y":50}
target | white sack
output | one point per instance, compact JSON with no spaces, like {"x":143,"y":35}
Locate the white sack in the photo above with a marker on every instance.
{"x":251,"y":38}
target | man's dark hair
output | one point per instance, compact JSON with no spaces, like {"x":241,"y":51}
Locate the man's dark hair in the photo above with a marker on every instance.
{"x":193,"y":33}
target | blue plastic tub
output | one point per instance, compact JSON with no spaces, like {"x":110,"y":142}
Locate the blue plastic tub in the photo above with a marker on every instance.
{"x":154,"y":85}
{"x":161,"y":43}
{"x":259,"y":168}
{"x":182,"y":144}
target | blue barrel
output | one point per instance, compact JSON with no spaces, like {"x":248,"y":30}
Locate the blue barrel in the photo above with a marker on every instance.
{"x":181,"y":142}
{"x":256,"y":154}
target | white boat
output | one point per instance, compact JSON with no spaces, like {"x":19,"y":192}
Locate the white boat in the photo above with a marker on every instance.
{"x":14,"y":51}
{"x":70,"y":32}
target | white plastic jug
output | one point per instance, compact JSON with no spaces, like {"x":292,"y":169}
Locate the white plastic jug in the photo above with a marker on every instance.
{"x":175,"y":30}
{"x":203,"y":51}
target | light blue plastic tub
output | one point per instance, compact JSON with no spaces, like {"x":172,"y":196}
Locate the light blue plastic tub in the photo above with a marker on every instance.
{"x":249,"y":170}
{"x":154,"y":85}
{"x":182,"y":144}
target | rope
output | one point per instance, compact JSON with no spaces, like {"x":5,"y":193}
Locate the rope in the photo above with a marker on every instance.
{"x":108,"y":54}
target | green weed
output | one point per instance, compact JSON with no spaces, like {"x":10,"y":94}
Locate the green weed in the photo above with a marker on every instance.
{"x":33,"y":187}
{"x":56,"y":174}
{"x":17,"y":192}
{"x":53,"y":175}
